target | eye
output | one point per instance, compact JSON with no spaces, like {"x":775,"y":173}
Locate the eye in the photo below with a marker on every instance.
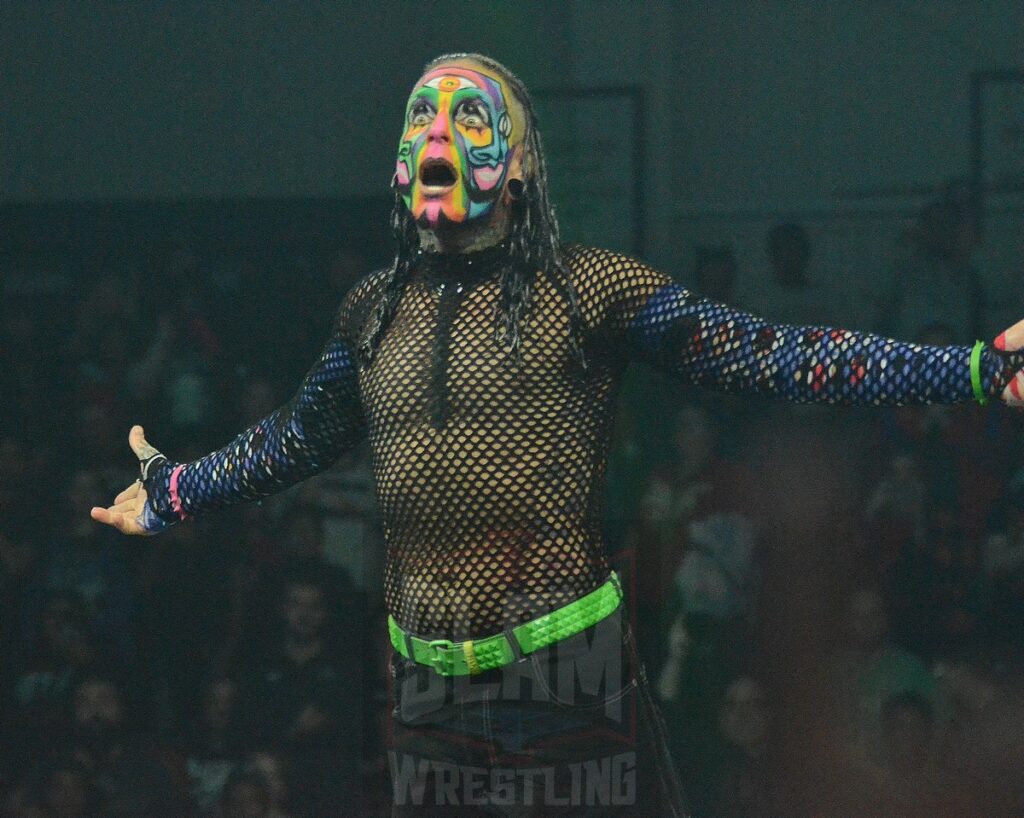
{"x":421,"y":113}
{"x":472,"y":114}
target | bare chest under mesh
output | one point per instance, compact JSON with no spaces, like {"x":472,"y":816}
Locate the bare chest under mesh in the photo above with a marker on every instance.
{"x":488,"y":473}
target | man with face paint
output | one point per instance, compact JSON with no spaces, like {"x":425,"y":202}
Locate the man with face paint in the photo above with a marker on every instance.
{"x":483,"y":366}
{"x":455,"y":153}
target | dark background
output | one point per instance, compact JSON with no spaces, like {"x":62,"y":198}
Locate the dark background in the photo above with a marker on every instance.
{"x":830,"y":601}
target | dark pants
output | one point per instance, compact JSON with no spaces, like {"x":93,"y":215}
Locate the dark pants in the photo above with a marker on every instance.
{"x":568,"y":730}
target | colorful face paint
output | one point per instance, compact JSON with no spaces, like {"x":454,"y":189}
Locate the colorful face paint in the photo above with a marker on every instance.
{"x":459,"y":139}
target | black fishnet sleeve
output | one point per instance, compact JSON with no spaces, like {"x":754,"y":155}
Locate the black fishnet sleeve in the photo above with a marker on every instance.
{"x":322,"y":420}
{"x":655,"y":320}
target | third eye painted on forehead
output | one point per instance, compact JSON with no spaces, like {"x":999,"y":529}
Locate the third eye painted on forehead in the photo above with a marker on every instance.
{"x":455,"y":149}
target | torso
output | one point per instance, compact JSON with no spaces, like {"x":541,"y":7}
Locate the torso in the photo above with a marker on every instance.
{"x":488,"y":475}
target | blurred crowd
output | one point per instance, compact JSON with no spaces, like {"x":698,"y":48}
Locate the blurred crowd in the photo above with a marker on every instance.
{"x":830,"y":601}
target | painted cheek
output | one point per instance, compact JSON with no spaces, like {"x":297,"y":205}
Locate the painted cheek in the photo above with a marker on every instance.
{"x":413,"y":132}
{"x":477,"y":137}
{"x":404,"y":170}
{"x":486,"y":178}
{"x":401,"y":173}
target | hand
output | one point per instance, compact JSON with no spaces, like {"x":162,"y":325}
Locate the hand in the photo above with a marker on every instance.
{"x":1012,"y":340}
{"x":126,"y":513}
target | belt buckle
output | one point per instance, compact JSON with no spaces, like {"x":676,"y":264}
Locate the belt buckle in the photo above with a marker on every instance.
{"x":438,"y":660}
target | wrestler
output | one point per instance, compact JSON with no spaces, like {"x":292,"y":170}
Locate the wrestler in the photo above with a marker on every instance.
{"x":483,"y":366}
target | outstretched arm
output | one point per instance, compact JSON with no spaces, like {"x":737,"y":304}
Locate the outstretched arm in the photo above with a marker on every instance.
{"x":715,"y":345}
{"x":306,"y":435}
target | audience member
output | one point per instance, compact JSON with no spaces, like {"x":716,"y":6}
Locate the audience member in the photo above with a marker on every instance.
{"x":1003,"y":564}
{"x":742,"y":777}
{"x":274,"y":770}
{"x":92,"y":564}
{"x":210,"y":750}
{"x":135,"y":776}
{"x":66,"y":790}
{"x":60,"y":649}
{"x":871,"y":669}
{"x":936,"y":281}
{"x":692,"y":492}
{"x":299,"y":700}
{"x":300,"y":688}
{"x":788,"y":293}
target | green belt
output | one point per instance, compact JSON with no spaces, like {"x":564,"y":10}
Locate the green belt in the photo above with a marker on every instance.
{"x":477,"y":655}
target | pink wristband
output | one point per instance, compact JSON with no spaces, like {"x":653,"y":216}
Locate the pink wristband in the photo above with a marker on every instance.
{"x":173,"y":491}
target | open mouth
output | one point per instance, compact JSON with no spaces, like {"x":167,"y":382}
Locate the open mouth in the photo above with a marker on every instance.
{"x":437,"y":173}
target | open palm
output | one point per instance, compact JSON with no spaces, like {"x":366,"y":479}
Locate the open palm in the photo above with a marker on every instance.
{"x":126,"y":513}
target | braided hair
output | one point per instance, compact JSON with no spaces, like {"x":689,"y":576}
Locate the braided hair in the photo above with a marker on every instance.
{"x":534,"y":246}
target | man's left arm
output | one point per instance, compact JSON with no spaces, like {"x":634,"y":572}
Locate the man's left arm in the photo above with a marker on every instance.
{"x":715,"y":345}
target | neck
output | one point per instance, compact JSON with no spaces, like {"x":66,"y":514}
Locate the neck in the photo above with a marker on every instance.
{"x":466,"y":238}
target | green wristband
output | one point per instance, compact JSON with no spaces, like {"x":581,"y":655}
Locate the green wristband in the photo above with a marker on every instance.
{"x":979,"y":394}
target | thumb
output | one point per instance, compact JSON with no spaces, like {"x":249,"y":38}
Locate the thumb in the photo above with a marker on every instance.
{"x":137,"y":440}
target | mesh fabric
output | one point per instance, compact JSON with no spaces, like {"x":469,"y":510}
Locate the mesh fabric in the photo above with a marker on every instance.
{"x":490,"y":473}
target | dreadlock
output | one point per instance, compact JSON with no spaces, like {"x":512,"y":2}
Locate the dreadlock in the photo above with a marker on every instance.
{"x":534,"y":245}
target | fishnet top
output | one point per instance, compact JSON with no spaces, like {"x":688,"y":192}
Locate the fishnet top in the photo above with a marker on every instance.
{"x":490,"y":474}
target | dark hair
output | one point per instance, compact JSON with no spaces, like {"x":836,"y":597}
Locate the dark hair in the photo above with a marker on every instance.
{"x":534,"y":244}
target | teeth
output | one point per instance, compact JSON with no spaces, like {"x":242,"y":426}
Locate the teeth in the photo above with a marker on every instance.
{"x":435,"y":189}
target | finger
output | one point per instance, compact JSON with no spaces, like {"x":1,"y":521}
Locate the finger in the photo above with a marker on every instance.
{"x":1012,"y":339}
{"x":137,"y":440}
{"x":127,"y":507}
{"x":104,"y":515}
{"x":125,"y":523}
{"x":128,"y":493}
{"x":1013,"y":394}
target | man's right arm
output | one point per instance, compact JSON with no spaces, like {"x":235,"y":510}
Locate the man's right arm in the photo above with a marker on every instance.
{"x":305,"y":436}
{"x":322,"y":421}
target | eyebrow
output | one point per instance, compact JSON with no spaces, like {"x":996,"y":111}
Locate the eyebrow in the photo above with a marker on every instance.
{"x":476,"y":100}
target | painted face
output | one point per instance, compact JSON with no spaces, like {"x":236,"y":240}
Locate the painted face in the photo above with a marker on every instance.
{"x":459,"y":139}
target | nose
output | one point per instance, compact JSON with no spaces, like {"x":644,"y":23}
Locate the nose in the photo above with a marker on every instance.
{"x":439,"y":129}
